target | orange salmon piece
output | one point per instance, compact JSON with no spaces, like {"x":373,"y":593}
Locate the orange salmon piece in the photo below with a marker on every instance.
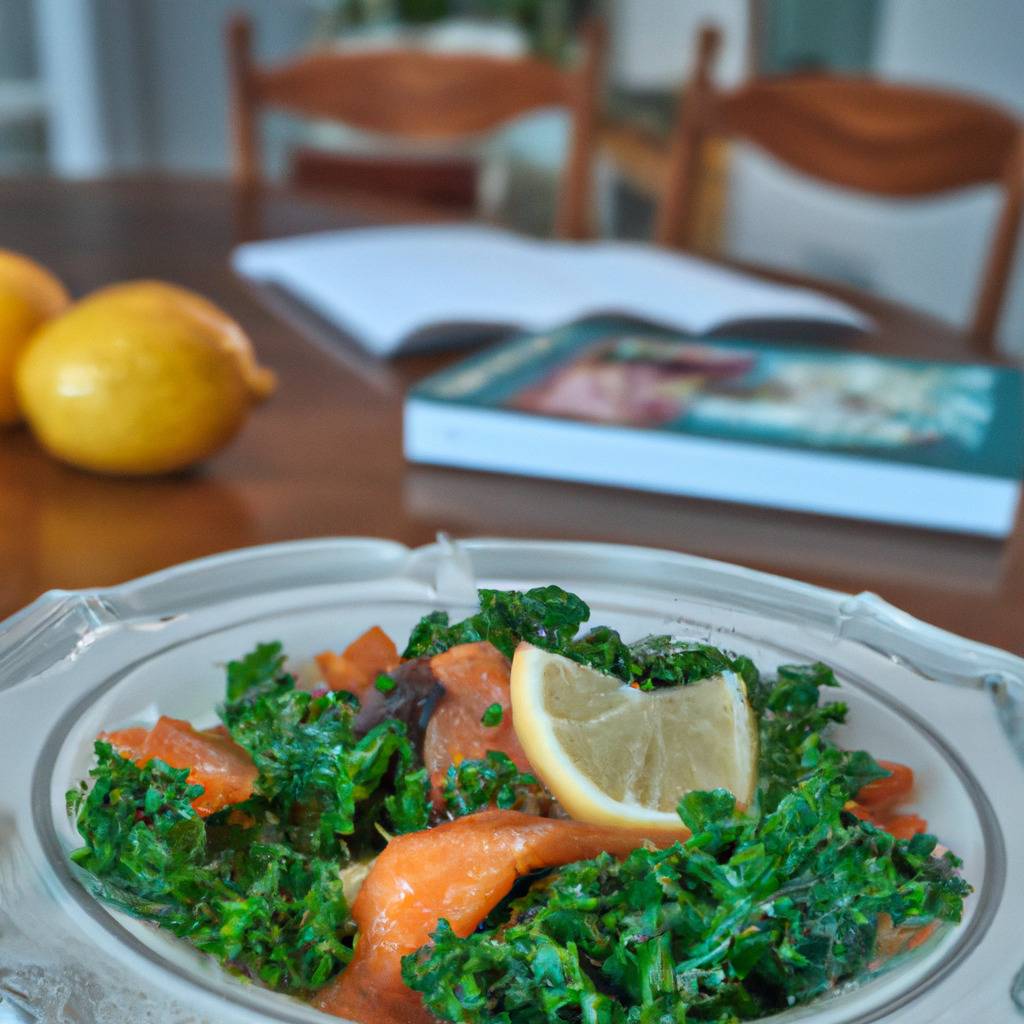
{"x":459,"y":871}
{"x":356,"y":668}
{"x":884,"y":793}
{"x":891,"y":941}
{"x":474,"y":677}
{"x":902,"y":826}
{"x":215,"y":761}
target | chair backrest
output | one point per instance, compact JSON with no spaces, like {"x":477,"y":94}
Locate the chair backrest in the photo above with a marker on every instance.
{"x":877,"y":137}
{"x":418,"y":95}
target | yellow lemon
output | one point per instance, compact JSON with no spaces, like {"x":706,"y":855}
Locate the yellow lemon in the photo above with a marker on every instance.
{"x":139,"y":378}
{"x":29,"y":295}
{"x":614,"y":755}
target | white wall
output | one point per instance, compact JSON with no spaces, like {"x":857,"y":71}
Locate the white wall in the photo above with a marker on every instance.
{"x":652,"y":41}
{"x":928,"y":253}
{"x":140,"y":84}
{"x":183,"y":46}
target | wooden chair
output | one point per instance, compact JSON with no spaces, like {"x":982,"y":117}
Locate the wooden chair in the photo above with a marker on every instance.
{"x":416,"y":95}
{"x":876,"y":137}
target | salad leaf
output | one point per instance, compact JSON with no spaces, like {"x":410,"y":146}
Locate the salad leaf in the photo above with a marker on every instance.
{"x":318,"y":779}
{"x":546,"y":616}
{"x":257,"y":885}
{"x":491,"y":781}
{"x":140,"y":829}
{"x":750,"y":916}
{"x":264,"y":909}
{"x":260,"y":666}
{"x":550,"y":617}
{"x":793,"y":725}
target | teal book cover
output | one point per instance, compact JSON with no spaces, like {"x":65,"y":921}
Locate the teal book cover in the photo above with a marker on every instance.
{"x":912,"y":442}
{"x":967,"y":418}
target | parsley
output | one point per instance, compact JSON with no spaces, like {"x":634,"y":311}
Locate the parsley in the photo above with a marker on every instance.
{"x":546,"y":616}
{"x":550,"y":617}
{"x":793,"y":726}
{"x":258,"y":885}
{"x":492,"y":781}
{"x":492,"y":716}
{"x":262,"y":908}
{"x":260,"y":666}
{"x":384,"y":683}
{"x":751,"y":916}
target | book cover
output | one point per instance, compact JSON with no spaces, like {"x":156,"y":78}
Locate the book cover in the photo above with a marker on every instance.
{"x":804,"y":412}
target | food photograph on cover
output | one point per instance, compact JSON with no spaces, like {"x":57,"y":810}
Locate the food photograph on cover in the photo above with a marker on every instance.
{"x":510,"y":513}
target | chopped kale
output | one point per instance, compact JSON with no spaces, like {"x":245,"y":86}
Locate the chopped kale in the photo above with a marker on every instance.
{"x":550,"y":617}
{"x":259,"y":667}
{"x":793,"y":726}
{"x":492,"y":781}
{"x":408,"y":808}
{"x":546,"y":616}
{"x":263,"y":909}
{"x":752,"y":915}
{"x":257,"y":885}
{"x":322,"y":782}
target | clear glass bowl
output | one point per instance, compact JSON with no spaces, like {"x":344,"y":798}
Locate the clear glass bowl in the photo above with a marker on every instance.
{"x":74,"y":663}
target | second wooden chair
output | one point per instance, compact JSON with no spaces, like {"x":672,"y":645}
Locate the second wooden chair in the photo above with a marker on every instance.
{"x":876,"y":137}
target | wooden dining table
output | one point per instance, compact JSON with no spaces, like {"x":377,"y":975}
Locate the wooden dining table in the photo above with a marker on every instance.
{"x":324,"y":455}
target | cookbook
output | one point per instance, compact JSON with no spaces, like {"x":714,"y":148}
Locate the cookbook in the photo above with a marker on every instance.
{"x":397,"y":289}
{"x":823,"y":430}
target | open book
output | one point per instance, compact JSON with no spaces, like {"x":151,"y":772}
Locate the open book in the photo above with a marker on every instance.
{"x":399,"y":288}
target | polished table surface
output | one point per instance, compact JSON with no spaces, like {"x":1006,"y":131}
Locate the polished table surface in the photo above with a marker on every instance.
{"x":324,"y":457}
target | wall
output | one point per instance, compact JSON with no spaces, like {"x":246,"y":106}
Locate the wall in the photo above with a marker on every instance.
{"x":141,"y":84}
{"x":182,"y":44}
{"x":926,"y":253}
{"x":652,"y":40}
{"x":17,"y":55}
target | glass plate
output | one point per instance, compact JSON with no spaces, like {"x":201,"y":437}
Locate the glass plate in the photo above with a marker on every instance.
{"x":73,"y":663}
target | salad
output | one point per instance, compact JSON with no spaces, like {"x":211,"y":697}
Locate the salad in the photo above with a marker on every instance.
{"x":370,"y":834}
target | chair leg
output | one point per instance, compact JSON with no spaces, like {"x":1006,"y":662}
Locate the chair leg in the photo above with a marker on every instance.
{"x":245,"y":148}
{"x":1000,"y":261}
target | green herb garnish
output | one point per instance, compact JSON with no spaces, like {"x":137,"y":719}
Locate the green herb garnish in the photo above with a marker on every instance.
{"x":258,"y":885}
{"x":794,"y":727}
{"x":262,"y":908}
{"x":751,"y":916}
{"x":550,"y":617}
{"x":492,"y":781}
{"x":492,"y":716}
{"x":260,"y":666}
{"x":384,"y":683}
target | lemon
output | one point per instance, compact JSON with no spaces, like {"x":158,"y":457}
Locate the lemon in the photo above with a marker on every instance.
{"x":29,"y":295}
{"x":615,"y":755}
{"x":139,"y":378}
{"x":157,"y":298}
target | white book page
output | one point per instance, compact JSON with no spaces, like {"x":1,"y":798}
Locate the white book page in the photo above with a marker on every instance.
{"x":386,"y":284}
{"x":689,"y":293}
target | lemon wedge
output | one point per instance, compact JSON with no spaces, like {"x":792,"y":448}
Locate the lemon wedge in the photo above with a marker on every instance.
{"x":615,"y":755}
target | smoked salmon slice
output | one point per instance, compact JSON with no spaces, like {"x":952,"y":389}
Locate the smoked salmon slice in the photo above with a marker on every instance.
{"x":474,"y":677}
{"x":215,"y":761}
{"x":459,"y":871}
{"x":893,"y":789}
{"x":356,"y":668}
